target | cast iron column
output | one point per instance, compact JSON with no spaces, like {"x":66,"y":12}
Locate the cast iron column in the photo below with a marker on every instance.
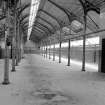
{"x":60,"y":47}
{"x":49,"y":49}
{"x":46,"y":49}
{"x":7,"y":55}
{"x":68,"y":53}
{"x":14,"y":40}
{"x":84,"y":44}
{"x":54,"y":52}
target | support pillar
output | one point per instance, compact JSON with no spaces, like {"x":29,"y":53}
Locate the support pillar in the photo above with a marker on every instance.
{"x":17,"y":44}
{"x":7,"y":55}
{"x":49,"y":50}
{"x":68,"y":53}
{"x":21,"y":46}
{"x":14,"y":43}
{"x":54,"y":52}
{"x":84,"y":44}
{"x":94,"y":56}
{"x":43,"y":49}
{"x":6,"y":66}
{"x":46,"y":50}
{"x":60,"y":47}
{"x":13,"y":55}
{"x":60,"y":52}
{"x":49,"y":53}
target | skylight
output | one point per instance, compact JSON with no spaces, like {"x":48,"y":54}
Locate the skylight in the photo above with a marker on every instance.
{"x":33,"y":12}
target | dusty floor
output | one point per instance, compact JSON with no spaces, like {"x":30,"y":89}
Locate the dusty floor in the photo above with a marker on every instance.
{"x":40,"y":81}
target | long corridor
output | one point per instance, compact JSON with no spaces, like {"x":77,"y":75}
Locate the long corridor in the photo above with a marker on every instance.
{"x":40,"y":81}
{"x":52,"y":52}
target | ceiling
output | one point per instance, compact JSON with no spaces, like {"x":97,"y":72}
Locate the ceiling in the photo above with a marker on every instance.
{"x":53,"y":15}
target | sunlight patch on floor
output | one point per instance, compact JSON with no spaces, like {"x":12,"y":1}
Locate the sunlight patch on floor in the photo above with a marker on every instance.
{"x":79,"y":63}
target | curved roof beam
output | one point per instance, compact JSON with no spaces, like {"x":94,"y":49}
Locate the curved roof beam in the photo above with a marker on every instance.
{"x":87,"y":6}
{"x":37,"y":31}
{"x":47,"y":22}
{"x":50,"y":31}
{"x":69,"y":14}
{"x":50,"y":15}
{"x":40,"y":30}
{"x":93,"y":21}
{"x":24,"y":17}
{"x":41,"y":27}
{"x":37,"y":26}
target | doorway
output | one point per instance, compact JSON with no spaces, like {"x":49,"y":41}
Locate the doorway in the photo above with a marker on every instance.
{"x":103,"y":56}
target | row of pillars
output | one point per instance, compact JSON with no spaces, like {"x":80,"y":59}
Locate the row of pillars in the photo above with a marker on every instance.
{"x":85,"y":10}
{"x":15,"y":43}
{"x":45,"y":49}
{"x":46,"y":52}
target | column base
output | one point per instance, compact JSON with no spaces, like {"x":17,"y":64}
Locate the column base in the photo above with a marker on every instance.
{"x":5,"y":82}
{"x":83,"y":70}
{"x":23,"y":57}
{"x":13,"y":70}
{"x":53,"y":59}
{"x":68,"y":64}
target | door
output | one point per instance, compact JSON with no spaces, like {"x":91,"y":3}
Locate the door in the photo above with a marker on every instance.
{"x":103,"y":56}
